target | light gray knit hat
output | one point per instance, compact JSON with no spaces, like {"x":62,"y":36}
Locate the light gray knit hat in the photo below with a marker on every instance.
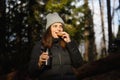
{"x":53,"y":18}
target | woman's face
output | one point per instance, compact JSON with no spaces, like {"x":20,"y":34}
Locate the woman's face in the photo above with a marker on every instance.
{"x":56,"y":28}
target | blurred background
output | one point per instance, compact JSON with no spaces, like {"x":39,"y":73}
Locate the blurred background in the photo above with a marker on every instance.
{"x":94,"y":24}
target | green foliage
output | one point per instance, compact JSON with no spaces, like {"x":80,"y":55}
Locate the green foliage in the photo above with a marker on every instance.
{"x":70,"y":29}
{"x":55,"y":5}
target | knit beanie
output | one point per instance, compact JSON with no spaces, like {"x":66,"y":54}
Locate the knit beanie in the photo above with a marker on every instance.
{"x":53,"y":18}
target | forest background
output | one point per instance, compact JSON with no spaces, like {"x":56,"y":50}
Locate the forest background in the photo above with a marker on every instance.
{"x":22,"y":23}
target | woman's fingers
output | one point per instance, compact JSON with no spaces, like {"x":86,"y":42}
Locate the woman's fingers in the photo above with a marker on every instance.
{"x":66,"y":37}
{"x":44,"y":56}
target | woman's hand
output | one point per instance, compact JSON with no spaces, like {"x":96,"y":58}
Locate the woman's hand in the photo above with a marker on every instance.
{"x":65,"y":36}
{"x":43,"y":58}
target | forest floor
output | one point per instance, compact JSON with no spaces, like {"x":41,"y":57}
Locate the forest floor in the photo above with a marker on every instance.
{"x":111,"y":75}
{"x":22,"y":75}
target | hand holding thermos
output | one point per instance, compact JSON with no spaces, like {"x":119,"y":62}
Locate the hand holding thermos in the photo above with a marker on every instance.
{"x":45,"y":59}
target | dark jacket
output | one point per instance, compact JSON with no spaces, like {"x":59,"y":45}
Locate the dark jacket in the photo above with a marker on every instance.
{"x":62,"y":61}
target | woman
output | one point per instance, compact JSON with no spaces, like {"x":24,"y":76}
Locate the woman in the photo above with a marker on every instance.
{"x":56,"y":47}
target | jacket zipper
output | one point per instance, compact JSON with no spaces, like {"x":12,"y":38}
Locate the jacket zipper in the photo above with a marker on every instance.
{"x":60,"y":58}
{"x":61,"y":65}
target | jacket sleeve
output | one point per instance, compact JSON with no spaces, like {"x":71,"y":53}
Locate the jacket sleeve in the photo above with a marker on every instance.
{"x":75,"y":54}
{"x":33,"y":67}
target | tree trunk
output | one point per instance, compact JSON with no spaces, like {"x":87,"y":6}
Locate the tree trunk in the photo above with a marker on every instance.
{"x":90,"y":47}
{"x":2,"y":30}
{"x":104,"y":52}
{"x":109,"y":24}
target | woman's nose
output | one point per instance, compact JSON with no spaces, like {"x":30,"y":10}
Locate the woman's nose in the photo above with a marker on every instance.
{"x":59,"y":29}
